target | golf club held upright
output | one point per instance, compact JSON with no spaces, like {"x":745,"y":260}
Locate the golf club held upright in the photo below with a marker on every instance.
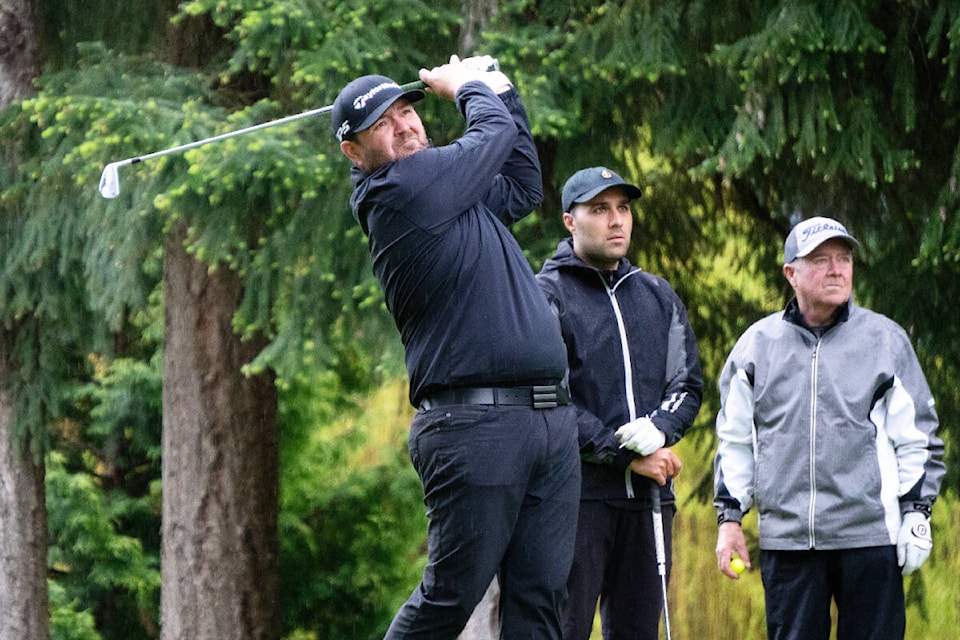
{"x":661,"y":554}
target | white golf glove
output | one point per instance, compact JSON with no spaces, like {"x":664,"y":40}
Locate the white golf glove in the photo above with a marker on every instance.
{"x":641,"y":436}
{"x":490,"y":73}
{"x":914,"y":541}
{"x":481,"y":63}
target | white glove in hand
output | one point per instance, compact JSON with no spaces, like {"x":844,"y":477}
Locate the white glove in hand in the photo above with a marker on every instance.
{"x":641,"y":436}
{"x":488,"y":72}
{"x":913,"y":542}
{"x":481,"y":63}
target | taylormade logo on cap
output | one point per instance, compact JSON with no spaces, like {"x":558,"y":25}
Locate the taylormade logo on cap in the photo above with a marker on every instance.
{"x":810,"y":234}
{"x":361,"y":101}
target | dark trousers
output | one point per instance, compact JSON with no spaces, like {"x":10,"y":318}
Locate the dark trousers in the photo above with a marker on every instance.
{"x":865,"y":583}
{"x":501,"y":486}
{"x":616,"y":562}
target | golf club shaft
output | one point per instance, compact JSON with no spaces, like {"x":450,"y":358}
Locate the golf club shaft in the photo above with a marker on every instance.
{"x":110,"y":180}
{"x":661,"y":553}
{"x":257,"y":127}
{"x":231,"y":134}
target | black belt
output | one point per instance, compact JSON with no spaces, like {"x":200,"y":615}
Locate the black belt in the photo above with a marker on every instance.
{"x":545,"y":396}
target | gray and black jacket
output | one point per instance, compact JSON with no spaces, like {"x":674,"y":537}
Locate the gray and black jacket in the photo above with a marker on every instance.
{"x":631,"y":353}
{"x":831,"y":437}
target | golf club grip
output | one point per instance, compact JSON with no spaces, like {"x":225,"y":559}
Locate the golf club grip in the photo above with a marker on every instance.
{"x":480,"y":63}
{"x":658,"y":538}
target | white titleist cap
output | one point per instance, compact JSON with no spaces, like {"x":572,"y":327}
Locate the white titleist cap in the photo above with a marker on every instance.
{"x":810,"y":234}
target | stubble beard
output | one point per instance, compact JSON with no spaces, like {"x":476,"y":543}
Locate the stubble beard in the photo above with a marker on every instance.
{"x":373,"y":159}
{"x":411,"y":145}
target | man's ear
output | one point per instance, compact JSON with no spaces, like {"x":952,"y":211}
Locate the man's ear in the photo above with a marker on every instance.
{"x":569,"y":222}
{"x":788,"y":272}
{"x":350,"y":149}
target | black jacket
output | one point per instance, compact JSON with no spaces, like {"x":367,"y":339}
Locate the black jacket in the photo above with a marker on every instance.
{"x":614,"y":322}
{"x":461,"y":291}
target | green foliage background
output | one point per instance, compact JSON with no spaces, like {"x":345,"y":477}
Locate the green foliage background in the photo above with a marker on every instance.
{"x":735,"y":118}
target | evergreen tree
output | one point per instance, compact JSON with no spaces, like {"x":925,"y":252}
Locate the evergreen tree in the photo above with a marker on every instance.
{"x":775,"y":110}
{"x":735,"y":117}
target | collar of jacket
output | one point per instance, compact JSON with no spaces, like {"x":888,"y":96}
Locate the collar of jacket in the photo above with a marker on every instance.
{"x":566,"y":257}
{"x":792,"y":314}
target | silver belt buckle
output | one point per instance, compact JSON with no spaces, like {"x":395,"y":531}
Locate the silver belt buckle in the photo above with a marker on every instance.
{"x":545,"y":396}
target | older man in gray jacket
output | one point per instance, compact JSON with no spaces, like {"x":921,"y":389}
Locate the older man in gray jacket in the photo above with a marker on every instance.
{"x":827,"y":427}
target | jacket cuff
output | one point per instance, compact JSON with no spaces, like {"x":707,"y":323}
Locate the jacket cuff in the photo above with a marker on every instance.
{"x":729,"y":514}
{"x":623,"y":458}
{"x":669,"y":426}
{"x":923,"y":506}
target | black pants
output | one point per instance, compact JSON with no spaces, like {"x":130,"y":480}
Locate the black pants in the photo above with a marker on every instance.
{"x":865,"y":583}
{"x":502,"y":487}
{"x":616,"y":561}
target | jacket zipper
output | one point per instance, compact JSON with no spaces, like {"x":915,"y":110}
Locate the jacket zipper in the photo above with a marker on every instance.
{"x":627,"y":366}
{"x":813,"y":444}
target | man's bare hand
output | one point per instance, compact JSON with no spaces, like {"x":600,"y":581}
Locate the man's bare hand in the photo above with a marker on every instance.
{"x":446,"y":79}
{"x":660,"y":466}
{"x":730,"y":540}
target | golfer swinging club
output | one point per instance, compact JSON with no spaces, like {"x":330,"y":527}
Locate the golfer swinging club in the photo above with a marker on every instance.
{"x":494,"y":439}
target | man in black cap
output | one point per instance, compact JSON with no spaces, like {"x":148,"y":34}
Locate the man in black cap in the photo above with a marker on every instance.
{"x":636,"y":383}
{"x":494,"y":439}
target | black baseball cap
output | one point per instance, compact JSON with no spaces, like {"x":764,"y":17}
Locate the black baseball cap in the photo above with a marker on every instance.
{"x":587,"y":183}
{"x":361,"y":102}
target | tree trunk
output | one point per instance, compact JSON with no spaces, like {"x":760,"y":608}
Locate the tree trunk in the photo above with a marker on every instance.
{"x":220,"y":463}
{"x":484,"y":622}
{"x":23,"y":530}
{"x":19,"y":61}
{"x":24,"y":611}
{"x":476,"y":17}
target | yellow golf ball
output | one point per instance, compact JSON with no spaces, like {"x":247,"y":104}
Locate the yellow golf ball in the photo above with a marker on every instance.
{"x":737,"y":565}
